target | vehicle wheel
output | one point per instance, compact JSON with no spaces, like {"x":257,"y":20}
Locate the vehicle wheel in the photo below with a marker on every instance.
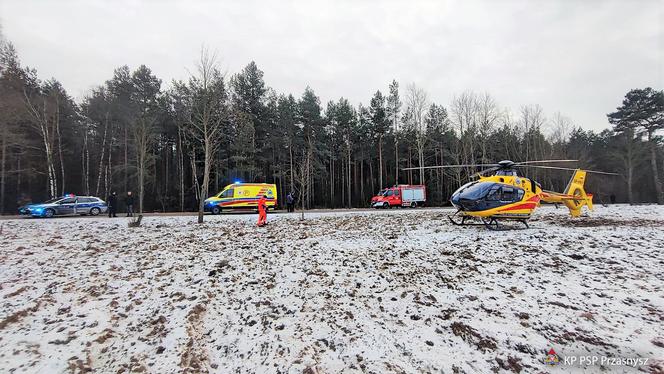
{"x":387,"y":206}
{"x":48,"y":213}
{"x":413,"y":204}
{"x":95,"y":211}
{"x":216,"y":210}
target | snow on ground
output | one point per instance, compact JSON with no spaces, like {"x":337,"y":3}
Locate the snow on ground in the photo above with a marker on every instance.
{"x":399,"y":291}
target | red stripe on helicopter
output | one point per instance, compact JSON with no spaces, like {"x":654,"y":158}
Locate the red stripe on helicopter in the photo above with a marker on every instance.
{"x":529,"y":204}
{"x":521,"y":206}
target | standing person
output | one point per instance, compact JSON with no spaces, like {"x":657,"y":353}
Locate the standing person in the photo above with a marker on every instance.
{"x":290,"y":202}
{"x":112,"y":204}
{"x":262,"y":211}
{"x":129,"y":202}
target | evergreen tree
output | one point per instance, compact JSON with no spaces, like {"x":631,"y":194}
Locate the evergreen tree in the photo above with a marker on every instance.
{"x":642,"y":110}
{"x":128,"y":132}
{"x":147,"y":105}
{"x":392,"y":112}
{"x":380,"y":126}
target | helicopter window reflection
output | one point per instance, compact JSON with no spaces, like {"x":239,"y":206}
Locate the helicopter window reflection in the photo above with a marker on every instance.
{"x":508,"y":194}
{"x":476,"y":191}
{"x":494,"y":194}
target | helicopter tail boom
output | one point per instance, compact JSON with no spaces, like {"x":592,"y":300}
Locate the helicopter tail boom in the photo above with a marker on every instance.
{"x":575,"y":195}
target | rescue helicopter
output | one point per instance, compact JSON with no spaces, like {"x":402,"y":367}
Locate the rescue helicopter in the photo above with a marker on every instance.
{"x":500,"y":193}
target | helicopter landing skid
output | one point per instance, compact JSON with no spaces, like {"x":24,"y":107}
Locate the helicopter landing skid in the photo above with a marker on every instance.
{"x":490,"y":223}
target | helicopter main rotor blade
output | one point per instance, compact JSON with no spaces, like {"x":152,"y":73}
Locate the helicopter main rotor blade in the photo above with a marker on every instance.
{"x":557,"y":168}
{"x":451,"y":166}
{"x":542,"y":162}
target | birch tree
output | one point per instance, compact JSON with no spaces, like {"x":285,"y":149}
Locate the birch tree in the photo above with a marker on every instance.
{"x":416,"y":103}
{"x":44,"y":117}
{"x":207,"y":113}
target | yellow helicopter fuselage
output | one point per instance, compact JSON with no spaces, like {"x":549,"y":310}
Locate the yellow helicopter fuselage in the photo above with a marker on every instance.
{"x":509,"y":196}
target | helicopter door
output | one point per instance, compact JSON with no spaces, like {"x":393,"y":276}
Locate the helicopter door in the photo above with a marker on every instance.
{"x":511,"y":195}
{"x":507,"y":195}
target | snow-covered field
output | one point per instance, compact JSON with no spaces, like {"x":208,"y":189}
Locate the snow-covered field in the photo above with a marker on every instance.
{"x":400,"y":291}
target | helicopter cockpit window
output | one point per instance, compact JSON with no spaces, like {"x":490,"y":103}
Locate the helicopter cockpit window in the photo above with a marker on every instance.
{"x":476,"y":191}
{"x":465,"y":186}
{"x":494,"y":193}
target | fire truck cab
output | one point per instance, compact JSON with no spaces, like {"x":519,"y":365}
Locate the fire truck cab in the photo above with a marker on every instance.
{"x":403,"y":195}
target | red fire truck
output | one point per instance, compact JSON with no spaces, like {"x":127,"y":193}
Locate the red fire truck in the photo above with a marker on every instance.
{"x":403,"y":195}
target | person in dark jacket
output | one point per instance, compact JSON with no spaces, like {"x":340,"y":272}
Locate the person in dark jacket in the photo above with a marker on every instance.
{"x":129,"y":202}
{"x":290,"y":202}
{"x":112,"y":204}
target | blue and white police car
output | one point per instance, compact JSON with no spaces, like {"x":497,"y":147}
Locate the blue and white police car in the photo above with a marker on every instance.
{"x":65,"y":206}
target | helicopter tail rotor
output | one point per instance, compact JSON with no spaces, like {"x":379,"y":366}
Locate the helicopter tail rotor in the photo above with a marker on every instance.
{"x":574,"y":197}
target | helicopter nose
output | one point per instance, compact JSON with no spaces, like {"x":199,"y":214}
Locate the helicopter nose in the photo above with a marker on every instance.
{"x":457,"y":201}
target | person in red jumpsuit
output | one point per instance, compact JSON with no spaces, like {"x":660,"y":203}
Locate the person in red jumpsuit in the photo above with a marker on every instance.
{"x":262,"y":211}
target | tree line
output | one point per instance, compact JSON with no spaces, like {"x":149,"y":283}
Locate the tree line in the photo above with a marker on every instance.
{"x":175,"y":144}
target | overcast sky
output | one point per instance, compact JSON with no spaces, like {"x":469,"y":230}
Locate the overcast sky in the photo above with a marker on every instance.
{"x":576,"y":57}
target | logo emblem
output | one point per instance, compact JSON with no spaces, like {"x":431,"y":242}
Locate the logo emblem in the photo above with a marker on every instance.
{"x":552,"y":358}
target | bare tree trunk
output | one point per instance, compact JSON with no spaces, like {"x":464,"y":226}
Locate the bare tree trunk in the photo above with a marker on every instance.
{"x":101,"y":158}
{"x":52,"y":179}
{"x":331,"y":181}
{"x":206,"y":178}
{"x":348,"y":179}
{"x":194,"y":174}
{"x":3,"y":170}
{"x":181,"y":168}
{"x":441,"y":175}
{"x":410,"y":165}
{"x":309,"y":180}
{"x":380,"y":161}
{"x":20,"y":173}
{"x":57,"y":131}
{"x":40,"y":120}
{"x":362,"y":176}
{"x":420,"y":161}
{"x":355,"y":171}
{"x":126,"y":159}
{"x":396,"y":160}
{"x":140,"y":157}
{"x":85,"y":163}
{"x":108,"y":181}
{"x":371,"y":178}
{"x":655,"y":173}
{"x":290,"y":152}
{"x":342,"y":169}
{"x":630,"y":191}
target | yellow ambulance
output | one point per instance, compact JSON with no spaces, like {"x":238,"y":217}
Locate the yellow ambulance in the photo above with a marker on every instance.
{"x":242,"y":196}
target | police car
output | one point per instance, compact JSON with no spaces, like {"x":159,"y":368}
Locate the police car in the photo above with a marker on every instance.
{"x":64,"y":206}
